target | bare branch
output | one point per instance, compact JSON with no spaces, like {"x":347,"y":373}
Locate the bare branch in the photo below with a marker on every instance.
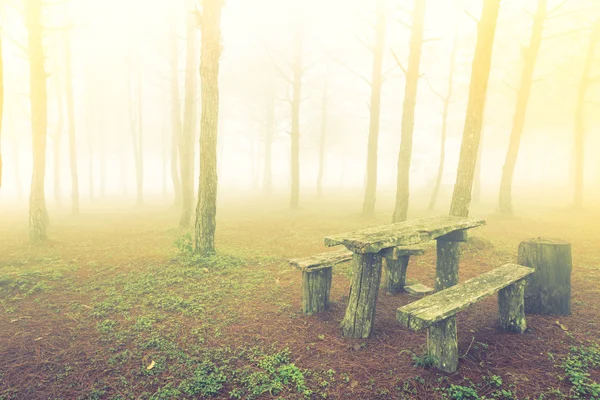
{"x":438,"y":94}
{"x":472,"y":17}
{"x":556,"y":8}
{"x":386,"y":74}
{"x":353,"y":72}
{"x":362,"y":41}
{"x":405,"y":24}
{"x":430,"y":40}
{"x":398,"y":62}
{"x":16,"y":43}
{"x":565,"y":33}
{"x":529,"y":13}
{"x":280,"y":71}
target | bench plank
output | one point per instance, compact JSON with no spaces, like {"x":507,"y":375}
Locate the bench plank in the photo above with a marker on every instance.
{"x":441,"y":305}
{"x":331,"y":258}
{"x":406,"y":233}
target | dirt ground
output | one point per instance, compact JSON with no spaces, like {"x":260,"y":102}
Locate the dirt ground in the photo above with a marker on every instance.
{"x":110,"y":308}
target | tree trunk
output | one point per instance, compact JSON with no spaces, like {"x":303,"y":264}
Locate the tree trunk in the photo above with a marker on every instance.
{"x":38,"y":215}
{"x":480,"y":71}
{"x":71,"y":125}
{"x":548,"y":289}
{"x":505,"y":198}
{"x":1,"y":106}
{"x":176,"y":128}
{"x":477,"y":175}
{"x":322,"y":141}
{"x":295,"y":137}
{"x":139,"y":163}
{"x":579,"y":149}
{"x":135,"y":120}
{"x":186,"y":150}
{"x":57,"y":137}
{"x":210,"y":24}
{"x":375,"y":110}
{"x":269,"y":125}
{"x":446,"y":100}
{"x":408,"y":112}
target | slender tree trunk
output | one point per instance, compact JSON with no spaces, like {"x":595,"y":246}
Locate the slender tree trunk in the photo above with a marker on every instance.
{"x":210,"y":24}
{"x":1,"y":105}
{"x":584,"y":85}
{"x":480,"y":71}
{"x":269,"y":126}
{"x":71,"y":124}
{"x":139,"y":164}
{"x":322,"y":141}
{"x":90,"y":129}
{"x":375,"y":110}
{"x":295,"y":136}
{"x":38,"y":215}
{"x":58,"y":134}
{"x":408,"y":112}
{"x":186,"y":150}
{"x":446,"y":99}
{"x":477,"y":175}
{"x":176,"y":127}
{"x":505,"y":196}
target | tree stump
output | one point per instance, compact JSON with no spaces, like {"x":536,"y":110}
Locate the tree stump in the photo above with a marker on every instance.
{"x":394,"y":278}
{"x":316,"y":286}
{"x":511,"y":309}
{"x":548,"y":289}
{"x":360,"y":313}
{"x":446,"y":266}
{"x":442,"y":344}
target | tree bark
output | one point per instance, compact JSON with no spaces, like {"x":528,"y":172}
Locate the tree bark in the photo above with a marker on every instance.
{"x":446,"y":101}
{"x":480,"y":71}
{"x":477,"y":175}
{"x":269,"y":126}
{"x":505,"y":197}
{"x":1,"y":105}
{"x":322,"y":140}
{"x":366,"y":278}
{"x":176,"y":127}
{"x":408,"y":112}
{"x":38,"y":215}
{"x":186,"y":150}
{"x":210,"y":25}
{"x":295,"y":134}
{"x":584,"y":85}
{"x":394,"y":278}
{"x":375,"y":110}
{"x":56,"y":139}
{"x":548,"y":290}
{"x":447,"y":261}
{"x":71,"y":124}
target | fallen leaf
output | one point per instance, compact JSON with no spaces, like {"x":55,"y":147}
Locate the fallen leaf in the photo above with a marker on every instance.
{"x":277,"y":281}
{"x":356,"y":347}
{"x":36,"y":339}
{"x":152,"y":364}
{"x":563,"y":327}
{"x":353,"y":384}
{"x":322,"y":337}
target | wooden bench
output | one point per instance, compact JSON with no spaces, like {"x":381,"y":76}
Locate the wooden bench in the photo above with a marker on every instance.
{"x":316,"y":274}
{"x":437,"y":312}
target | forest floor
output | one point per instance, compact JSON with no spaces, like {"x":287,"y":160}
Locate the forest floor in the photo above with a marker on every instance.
{"x":113,"y":306}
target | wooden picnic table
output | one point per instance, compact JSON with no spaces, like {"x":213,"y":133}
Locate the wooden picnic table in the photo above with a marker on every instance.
{"x":371,"y":245}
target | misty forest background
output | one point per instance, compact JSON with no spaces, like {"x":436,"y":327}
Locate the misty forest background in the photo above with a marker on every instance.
{"x":314,"y":99}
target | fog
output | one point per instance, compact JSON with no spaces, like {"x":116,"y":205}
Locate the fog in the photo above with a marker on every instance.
{"x":115,"y":42}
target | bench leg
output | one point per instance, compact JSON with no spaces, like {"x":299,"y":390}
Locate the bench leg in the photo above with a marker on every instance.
{"x":446,"y":268}
{"x":511,"y":307}
{"x":360,"y":313}
{"x":442,"y":344}
{"x":394,"y":278}
{"x":316,"y":286}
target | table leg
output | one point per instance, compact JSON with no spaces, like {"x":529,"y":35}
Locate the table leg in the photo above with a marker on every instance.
{"x":360,"y":313}
{"x":394,"y":278}
{"x":446,"y":267}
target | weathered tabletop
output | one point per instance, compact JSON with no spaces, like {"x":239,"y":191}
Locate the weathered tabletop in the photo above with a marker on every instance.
{"x":373,"y":240}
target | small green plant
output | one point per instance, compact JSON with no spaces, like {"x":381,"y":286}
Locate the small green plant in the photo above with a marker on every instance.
{"x":208,"y":380}
{"x":493,"y":380}
{"x":458,"y":392}
{"x":424,"y":361}
{"x":577,"y":365}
